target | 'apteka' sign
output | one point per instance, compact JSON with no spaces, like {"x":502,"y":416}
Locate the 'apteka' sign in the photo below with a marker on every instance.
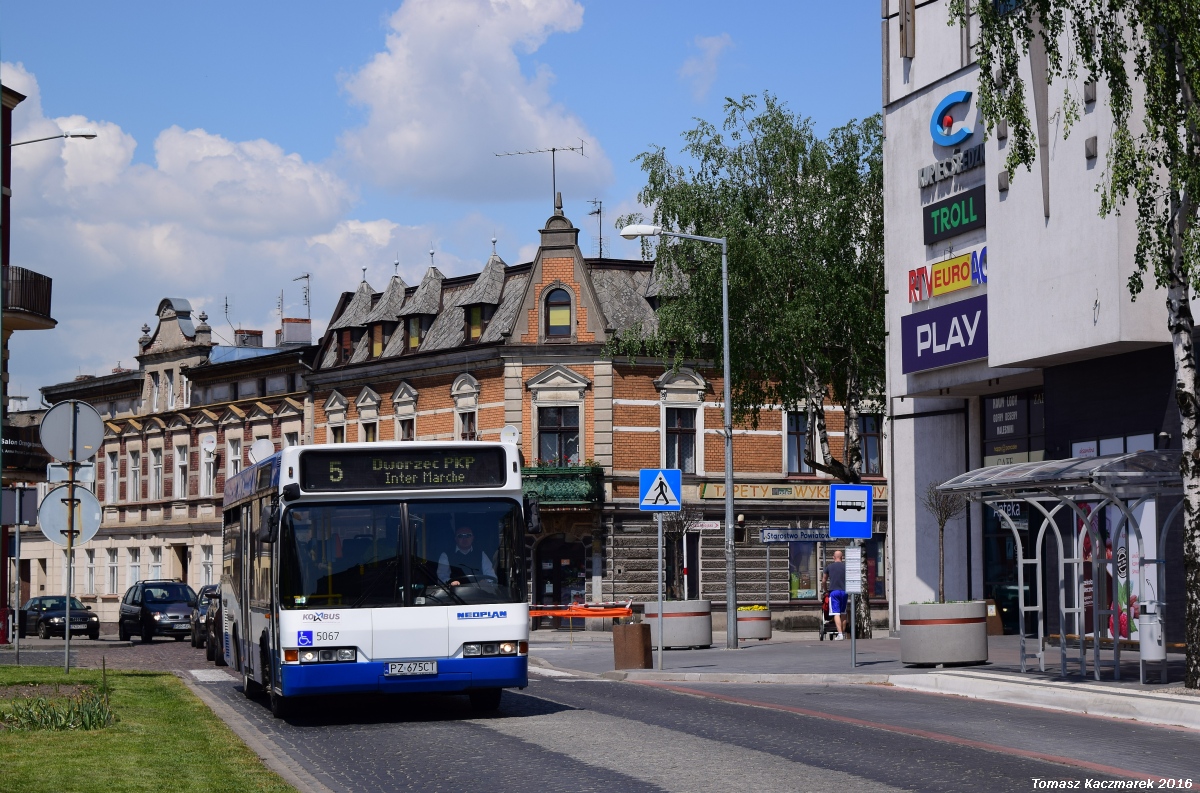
{"x":943,"y":336}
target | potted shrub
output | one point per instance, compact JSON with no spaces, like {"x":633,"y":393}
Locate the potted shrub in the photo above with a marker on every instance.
{"x":941,"y":632}
{"x":754,"y":622}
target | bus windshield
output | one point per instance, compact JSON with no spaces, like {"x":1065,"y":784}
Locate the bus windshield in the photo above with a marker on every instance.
{"x":352,"y":554}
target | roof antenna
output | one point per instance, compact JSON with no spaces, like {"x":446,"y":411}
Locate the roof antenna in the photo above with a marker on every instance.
{"x":599,"y":210}
{"x":307,"y":282}
{"x":553,"y":167}
{"x":229,"y":321}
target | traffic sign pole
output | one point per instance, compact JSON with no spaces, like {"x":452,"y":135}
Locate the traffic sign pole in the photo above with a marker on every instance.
{"x":661,"y":636}
{"x":72,"y":505}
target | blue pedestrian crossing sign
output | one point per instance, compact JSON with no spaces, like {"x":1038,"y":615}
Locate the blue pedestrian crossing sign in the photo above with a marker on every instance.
{"x":850,"y":511}
{"x":660,"y":489}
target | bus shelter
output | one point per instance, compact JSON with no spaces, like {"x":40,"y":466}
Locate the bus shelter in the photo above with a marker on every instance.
{"x":1069,"y":493}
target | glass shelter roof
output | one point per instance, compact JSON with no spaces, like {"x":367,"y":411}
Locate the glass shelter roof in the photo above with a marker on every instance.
{"x":1119,"y":475}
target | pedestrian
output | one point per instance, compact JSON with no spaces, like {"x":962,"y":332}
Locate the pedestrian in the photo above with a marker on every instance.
{"x":834,"y":583}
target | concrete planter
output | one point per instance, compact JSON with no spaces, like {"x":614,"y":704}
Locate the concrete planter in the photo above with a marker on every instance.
{"x":943,"y":633}
{"x":754,"y":624}
{"x":686,"y":623}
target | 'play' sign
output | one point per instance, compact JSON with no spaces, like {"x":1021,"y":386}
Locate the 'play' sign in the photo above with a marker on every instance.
{"x":944,"y":336}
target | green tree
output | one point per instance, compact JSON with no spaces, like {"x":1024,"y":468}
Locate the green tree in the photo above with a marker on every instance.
{"x":1147,"y":53}
{"x":803,"y":217}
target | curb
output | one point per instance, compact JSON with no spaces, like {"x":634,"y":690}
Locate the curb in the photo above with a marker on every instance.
{"x":1094,"y":700}
{"x":258,"y":743}
{"x":814,"y":679}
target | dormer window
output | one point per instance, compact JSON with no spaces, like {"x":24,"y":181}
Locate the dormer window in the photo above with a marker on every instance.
{"x":381,"y":334}
{"x":477,"y":318}
{"x":558,"y":314}
{"x":345,"y":346}
{"x":415,"y":328}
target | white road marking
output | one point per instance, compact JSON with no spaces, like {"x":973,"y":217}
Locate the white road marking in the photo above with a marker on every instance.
{"x":672,"y":760}
{"x":542,"y":671}
{"x":211,"y":675}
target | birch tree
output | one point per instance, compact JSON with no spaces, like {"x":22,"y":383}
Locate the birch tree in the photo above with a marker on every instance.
{"x":1147,"y":54}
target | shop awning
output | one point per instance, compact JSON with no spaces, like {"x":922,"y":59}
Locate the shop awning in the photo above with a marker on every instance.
{"x":1117,"y":475}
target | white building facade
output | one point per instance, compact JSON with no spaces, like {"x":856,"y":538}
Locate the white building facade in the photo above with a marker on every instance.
{"x":1011,"y":332}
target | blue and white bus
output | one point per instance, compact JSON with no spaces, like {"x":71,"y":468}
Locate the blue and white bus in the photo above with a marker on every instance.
{"x":377,"y":567}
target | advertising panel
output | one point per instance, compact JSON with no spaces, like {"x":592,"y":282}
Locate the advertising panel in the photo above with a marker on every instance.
{"x":955,"y":215}
{"x":944,"y":336}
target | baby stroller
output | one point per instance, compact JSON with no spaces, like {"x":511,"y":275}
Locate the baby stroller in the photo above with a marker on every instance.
{"x":827,"y":623}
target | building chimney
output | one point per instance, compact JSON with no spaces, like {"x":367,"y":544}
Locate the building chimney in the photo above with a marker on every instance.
{"x":294,"y":331}
{"x":247,"y":338}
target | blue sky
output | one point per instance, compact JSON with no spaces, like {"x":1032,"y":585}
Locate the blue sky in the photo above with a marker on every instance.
{"x":242,"y":144}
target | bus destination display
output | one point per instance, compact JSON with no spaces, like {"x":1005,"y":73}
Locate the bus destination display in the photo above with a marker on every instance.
{"x":363,"y":469}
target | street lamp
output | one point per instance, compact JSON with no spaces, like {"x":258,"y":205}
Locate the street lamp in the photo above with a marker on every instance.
{"x":85,"y":133}
{"x":645,"y":230}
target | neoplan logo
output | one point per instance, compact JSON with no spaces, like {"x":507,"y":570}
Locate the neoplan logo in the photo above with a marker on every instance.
{"x":482,"y":615}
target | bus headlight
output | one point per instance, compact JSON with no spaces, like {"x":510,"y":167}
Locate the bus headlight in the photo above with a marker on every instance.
{"x":324,"y":655}
{"x":477,"y":649}
{"x":347,"y":654}
{"x":309,"y":656}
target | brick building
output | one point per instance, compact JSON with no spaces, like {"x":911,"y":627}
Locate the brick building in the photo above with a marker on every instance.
{"x":175,"y":427}
{"x":523,"y":346}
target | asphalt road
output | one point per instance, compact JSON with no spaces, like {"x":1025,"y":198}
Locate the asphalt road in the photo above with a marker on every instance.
{"x":575,"y":733}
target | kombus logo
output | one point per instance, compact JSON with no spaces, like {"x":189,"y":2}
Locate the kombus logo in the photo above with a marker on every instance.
{"x":482,"y":615}
{"x":321,"y":616}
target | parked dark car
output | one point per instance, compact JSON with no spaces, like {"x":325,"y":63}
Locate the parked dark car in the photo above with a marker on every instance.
{"x":156,"y":608}
{"x":45,"y":616}
{"x":199,"y":637}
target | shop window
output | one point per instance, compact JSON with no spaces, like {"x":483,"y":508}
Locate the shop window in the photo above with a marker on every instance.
{"x":797,"y":444}
{"x":558,"y":314}
{"x":802,"y":571}
{"x":558,"y":436}
{"x":681,"y":439}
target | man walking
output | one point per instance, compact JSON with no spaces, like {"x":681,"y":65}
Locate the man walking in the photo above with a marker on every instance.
{"x":834,"y":583}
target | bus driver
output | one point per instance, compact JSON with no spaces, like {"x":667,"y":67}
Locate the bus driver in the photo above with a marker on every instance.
{"x":467,"y":562}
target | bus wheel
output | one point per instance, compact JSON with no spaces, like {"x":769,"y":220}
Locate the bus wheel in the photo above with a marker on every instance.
{"x":484,"y":699}
{"x":281,"y":706}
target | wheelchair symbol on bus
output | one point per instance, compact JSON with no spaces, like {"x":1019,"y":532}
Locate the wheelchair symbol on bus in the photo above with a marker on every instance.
{"x":304,"y":638}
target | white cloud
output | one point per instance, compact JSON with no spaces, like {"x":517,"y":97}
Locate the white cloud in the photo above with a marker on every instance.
{"x":449,"y":93}
{"x":701,"y":70}
{"x":209,"y":217}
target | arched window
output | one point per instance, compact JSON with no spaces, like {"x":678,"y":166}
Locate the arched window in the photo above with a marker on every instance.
{"x":558,"y":313}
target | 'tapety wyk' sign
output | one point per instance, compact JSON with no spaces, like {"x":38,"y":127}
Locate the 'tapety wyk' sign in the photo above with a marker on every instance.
{"x":955,"y":215}
{"x":944,"y":336}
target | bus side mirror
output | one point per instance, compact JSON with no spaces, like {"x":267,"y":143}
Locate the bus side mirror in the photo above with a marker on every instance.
{"x":533,"y":518}
{"x":291,"y":492}
{"x":268,"y":524}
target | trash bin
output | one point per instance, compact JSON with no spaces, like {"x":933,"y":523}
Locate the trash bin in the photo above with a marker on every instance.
{"x":631,"y":646}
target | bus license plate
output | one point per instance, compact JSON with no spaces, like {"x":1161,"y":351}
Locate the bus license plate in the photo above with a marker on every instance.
{"x":412,"y":668}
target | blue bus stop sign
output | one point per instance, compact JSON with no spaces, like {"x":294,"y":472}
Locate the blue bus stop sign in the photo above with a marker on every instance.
{"x":660,"y":489}
{"x":850,"y":511}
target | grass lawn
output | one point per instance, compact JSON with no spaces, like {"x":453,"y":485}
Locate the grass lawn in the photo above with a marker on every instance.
{"x":165,"y":739}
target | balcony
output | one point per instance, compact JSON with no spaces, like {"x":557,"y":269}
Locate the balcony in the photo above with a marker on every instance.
{"x":566,"y":486}
{"x":26,"y":300}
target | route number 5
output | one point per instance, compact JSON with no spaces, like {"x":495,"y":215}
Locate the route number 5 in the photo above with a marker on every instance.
{"x":335,"y":471}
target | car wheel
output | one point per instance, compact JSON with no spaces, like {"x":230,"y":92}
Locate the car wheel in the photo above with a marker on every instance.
{"x":122,"y":631}
{"x":218,"y":643}
{"x":43,"y":630}
{"x":179,"y":638}
{"x":192,"y":637}
{"x":94,"y":634}
{"x":147,"y":635}
{"x":209,"y":655}
{"x":484,"y":699}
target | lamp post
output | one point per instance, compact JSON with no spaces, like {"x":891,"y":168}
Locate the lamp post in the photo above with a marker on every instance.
{"x":85,"y":133}
{"x":644,"y":230}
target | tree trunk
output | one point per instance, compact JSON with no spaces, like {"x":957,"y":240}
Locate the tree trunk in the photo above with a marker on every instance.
{"x":941,"y":563}
{"x":1181,"y":323}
